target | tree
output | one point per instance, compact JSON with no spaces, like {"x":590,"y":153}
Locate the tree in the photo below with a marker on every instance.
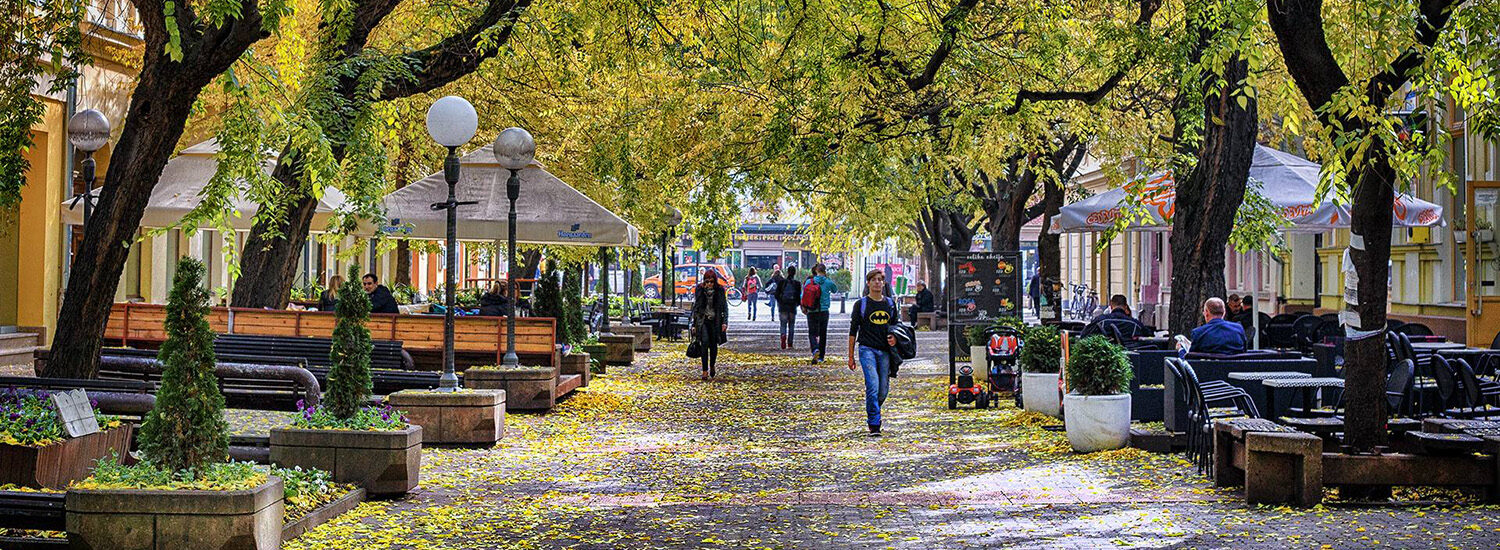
{"x":186,"y":428}
{"x":571,"y":320}
{"x":356,"y":78}
{"x":349,"y":384}
{"x":184,"y":51}
{"x":1349,"y":98}
{"x":44,"y":40}
{"x":547,"y":299}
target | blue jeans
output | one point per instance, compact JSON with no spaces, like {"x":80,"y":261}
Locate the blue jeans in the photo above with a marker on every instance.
{"x":771,"y":305}
{"x":751,"y":298}
{"x":876,"y":365}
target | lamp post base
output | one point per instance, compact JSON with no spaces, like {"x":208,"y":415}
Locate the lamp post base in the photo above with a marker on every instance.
{"x":448,"y":382}
{"x":510,"y":359}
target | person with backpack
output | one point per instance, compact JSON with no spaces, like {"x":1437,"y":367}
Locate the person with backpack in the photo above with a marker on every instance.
{"x":788,"y":295}
{"x":871,"y":340}
{"x":816,"y":297}
{"x":752,"y":293}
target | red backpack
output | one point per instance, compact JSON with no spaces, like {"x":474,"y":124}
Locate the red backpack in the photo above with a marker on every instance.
{"x":812,"y":295}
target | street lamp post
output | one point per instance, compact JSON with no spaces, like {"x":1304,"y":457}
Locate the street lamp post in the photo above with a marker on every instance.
{"x":669,"y":270}
{"x":88,"y":131}
{"x":451,"y":121}
{"x":515,"y":149}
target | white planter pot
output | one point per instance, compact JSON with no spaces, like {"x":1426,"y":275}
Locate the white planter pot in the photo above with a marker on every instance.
{"x":1486,"y":235}
{"x":1039,"y":393}
{"x":1097,"y":422}
{"x":977,"y":355}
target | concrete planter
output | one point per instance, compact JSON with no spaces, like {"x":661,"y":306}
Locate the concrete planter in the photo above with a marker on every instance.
{"x":136,"y":519}
{"x":641,"y":333}
{"x":979,"y":356}
{"x":383,"y":462}
{"x":55,"y":466}
{"x":1039,"y":393}
{"x":465,"y":417}
{"x":1097,"y":422}
{"x":526,"y":387}
{"x":577,"y":363}
{"x":620,"y":348}
{"x":297,"y":526}
{"x":596,"y":356}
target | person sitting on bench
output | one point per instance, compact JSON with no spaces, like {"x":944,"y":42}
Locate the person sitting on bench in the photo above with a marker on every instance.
{"x":496,"y":302}
{"x":925,"y":302}
{"x":1119,"y":311}
{"x":381,"y":300}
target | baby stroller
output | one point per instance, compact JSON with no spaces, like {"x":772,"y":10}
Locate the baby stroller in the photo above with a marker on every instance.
{"x":1001,"y":354}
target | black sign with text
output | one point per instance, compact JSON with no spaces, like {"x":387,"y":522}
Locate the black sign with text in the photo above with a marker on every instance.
{"x":984,"y":286}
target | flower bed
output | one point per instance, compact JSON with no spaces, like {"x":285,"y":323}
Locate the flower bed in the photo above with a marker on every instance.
{"x":382,"y":418}
{"x":34,"y":446}
{"x":29,"y":418}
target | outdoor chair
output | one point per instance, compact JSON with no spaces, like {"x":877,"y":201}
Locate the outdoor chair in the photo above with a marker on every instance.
{"x":1398,"y":388}
{"x":1305,"y":332}
{"x":1393,"y":324}
{"x":1478,"y":396}
{"x":1446,"y":381}
{"x":1200,"y":416}
{"x":1414,"y":329}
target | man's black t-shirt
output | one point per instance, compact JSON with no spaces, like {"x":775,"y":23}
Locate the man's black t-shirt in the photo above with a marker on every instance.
{"x":871,"y":322}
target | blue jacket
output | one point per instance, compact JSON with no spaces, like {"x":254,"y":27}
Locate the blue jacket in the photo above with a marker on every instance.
{"x":1219,"y":336}
{"x":826,"y":288}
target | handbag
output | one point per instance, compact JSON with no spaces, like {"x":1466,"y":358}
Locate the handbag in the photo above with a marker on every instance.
{"x":694,"y":348}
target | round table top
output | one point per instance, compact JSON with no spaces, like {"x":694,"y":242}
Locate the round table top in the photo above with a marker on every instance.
{"x":1267,"y":375}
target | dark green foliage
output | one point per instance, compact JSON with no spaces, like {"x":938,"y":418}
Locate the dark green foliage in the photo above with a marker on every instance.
{"x":570,"y":323}
{"x":843,"y":278}
{"x":1097,"y":366}
{"x":37,"y":31}
{"x":547,"y":300}
{"x":186,"y":429}
{"x":1041,"y":349}
{"x":977,"y":335}
{"x":349,"y":385}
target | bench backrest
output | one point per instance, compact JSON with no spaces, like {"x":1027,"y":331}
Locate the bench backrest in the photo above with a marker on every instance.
{"x":535,"y":336}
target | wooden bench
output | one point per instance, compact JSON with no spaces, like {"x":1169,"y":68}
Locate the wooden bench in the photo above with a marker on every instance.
{"x":314,"y":352}
{"x":384,"y":381}
{"x":31,"y":510}
{"x":244,"y":385}
{"x":116,"y":397}
{"x":478,"y":340}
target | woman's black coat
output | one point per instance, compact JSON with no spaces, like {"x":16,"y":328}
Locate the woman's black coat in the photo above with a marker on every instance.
{"x":702,"y":301}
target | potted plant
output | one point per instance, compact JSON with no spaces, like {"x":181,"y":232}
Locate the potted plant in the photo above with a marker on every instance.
{"x":185,"y":493}
{"x":1040,"y":360}
{"x":979,"y":339}
{"x":1097,"y":409}
{"x":35,"y":446}
{"x":374,"y":447}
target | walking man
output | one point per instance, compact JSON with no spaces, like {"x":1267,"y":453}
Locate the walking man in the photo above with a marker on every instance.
{"x":788,"y":294}
{"x":817,"y":295}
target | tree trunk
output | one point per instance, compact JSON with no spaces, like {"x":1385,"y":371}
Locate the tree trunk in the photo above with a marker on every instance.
{"x":1049,"y":247}
{"x":403,"y":262}
{"x":1365,"y":358}
{"x":1208,"y":198}
{"x":268,"y":263}
{"x":159,"y":109}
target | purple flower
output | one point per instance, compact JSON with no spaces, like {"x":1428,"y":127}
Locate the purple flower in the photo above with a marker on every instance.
{"x":301,"y":404}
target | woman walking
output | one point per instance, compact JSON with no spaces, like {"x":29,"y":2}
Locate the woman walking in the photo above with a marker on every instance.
{"x":710,"y":320}
{"x":752,"y":293}
{"x":788,"y":297}
{"x":871,"y":339}
{"x":772,"y":285}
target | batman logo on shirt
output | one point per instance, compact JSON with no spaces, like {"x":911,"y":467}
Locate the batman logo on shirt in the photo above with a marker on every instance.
{"x":880,"y":317}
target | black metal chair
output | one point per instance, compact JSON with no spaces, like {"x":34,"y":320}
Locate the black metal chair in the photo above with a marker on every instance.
{"x":1199,"y":396}
{"x":1305,"y":332}
{"x":1476,"y":395}
{"x":1446,"y":380}
{"x":1398,"y":388}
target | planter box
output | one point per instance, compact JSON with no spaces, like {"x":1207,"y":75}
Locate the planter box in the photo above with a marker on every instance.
{"x":135,"y":519}
{"x":55,"y":466}
{"x":577,"y":363}
{"x":596,"y":356}
{"x":641,"y":333}
{"x":1097,"y":422}
{"x":464,"y":417}
{"x":322,"y":515}
{"x":526,"y":387}
{"x":383,"y":462}
{"x":620,"y":348}
{"x":1039,"y":393}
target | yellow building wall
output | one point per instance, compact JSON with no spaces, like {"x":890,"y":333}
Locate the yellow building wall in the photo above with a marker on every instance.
{"x":40,"y":236}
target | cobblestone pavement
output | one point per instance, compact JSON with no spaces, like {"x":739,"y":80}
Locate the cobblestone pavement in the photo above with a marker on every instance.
{"x":772,"y":454}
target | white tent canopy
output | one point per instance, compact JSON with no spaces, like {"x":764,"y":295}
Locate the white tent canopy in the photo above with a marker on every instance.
{"x":180,"y":189}
{"x":1288,"y":181}
{"x":547,"y":212}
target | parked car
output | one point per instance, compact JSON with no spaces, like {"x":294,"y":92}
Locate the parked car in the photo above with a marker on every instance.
{"x":686,"y":277}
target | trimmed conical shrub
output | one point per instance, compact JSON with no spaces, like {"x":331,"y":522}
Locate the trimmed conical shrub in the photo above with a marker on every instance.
{"x":571,"y":319}
{"x":349,"y":385}
{"x":547,"y":299}
{"x":186,"y":429}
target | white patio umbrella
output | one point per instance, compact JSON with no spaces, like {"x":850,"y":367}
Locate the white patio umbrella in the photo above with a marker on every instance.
{"x":1290,"y":182}
{"x":548,"y":211}
{"x":180,"y":189}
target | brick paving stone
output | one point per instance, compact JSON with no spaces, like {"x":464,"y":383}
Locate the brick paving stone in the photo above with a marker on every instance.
{"x":772,"y":455}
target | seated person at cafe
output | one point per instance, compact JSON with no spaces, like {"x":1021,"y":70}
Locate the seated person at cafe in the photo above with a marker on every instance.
{"x":381,"y":300}
{"x":1119,"y":311}
{"x":495,"y":302}
{"x":925,"y":301}
{"x":1217,"y":335}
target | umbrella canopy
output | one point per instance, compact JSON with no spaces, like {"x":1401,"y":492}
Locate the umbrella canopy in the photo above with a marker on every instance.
{"x":1288,"y":181}
{"x":547,"y":212}
{"x":180,"y":189}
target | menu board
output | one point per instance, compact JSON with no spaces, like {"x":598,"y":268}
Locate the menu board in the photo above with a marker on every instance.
{"x":984,"y":286}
